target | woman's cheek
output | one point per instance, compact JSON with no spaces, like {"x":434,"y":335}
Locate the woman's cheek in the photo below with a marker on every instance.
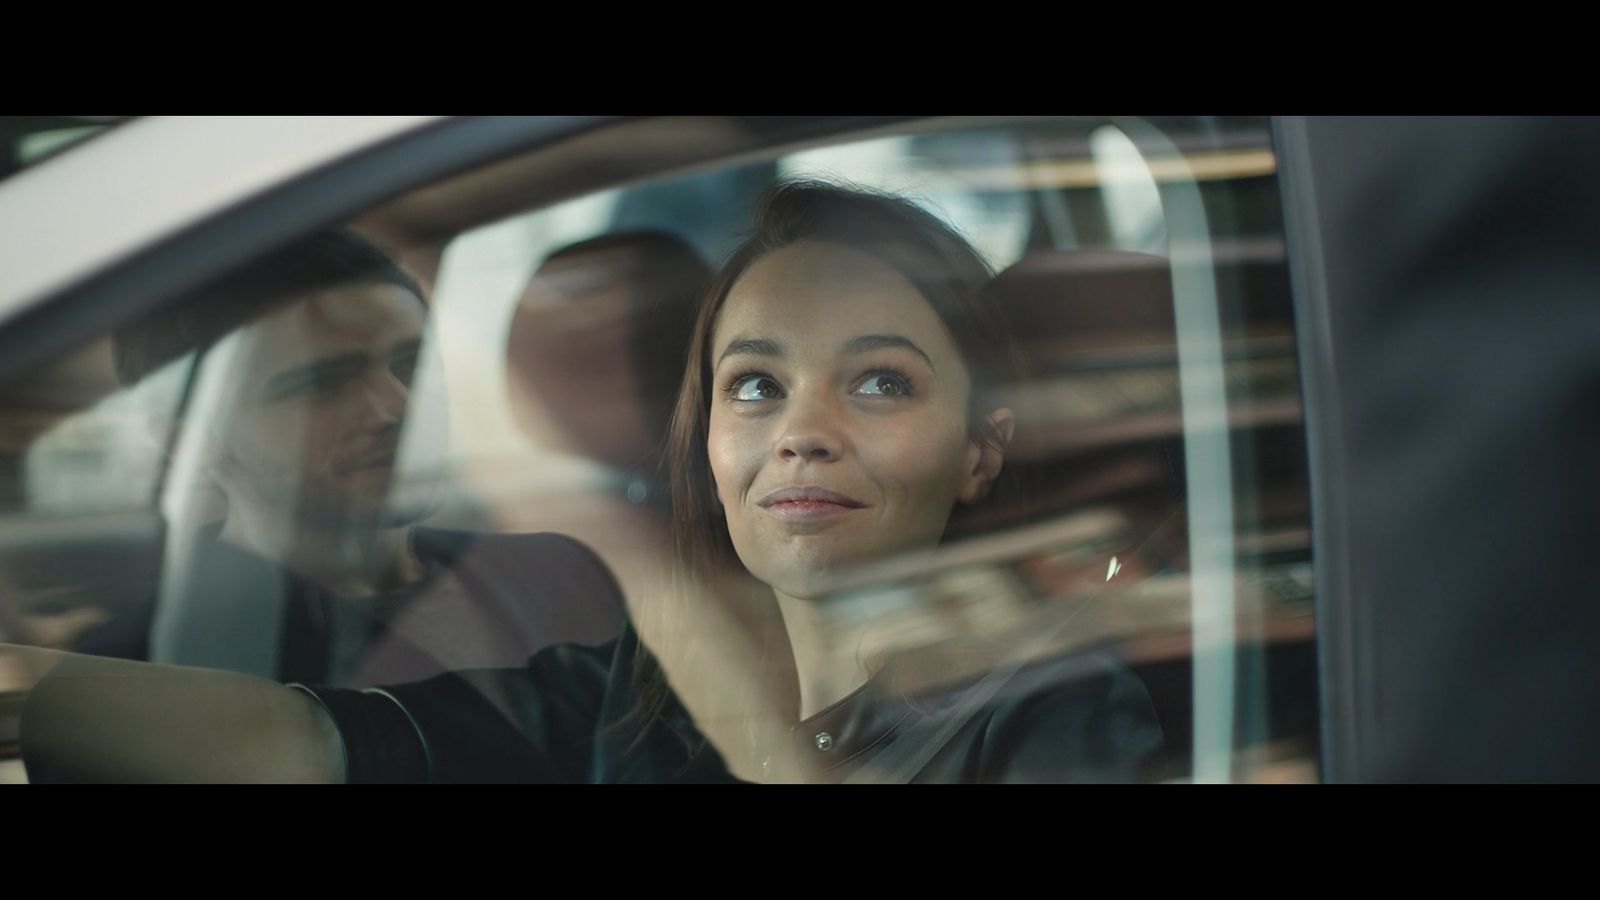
{"x":729,"y":452}
{"x":926,"y":458}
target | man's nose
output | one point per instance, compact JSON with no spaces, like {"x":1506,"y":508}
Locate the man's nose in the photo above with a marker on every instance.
{"x":385,"y":395}
{"x":812,"y":429}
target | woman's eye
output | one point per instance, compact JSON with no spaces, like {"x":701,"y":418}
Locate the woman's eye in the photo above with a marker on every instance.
{"x":884,"y":384}
{"x":756,"y":387}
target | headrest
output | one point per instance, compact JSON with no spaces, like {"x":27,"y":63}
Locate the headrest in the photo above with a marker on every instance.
{"x":597,"y":345}
{"x":1083,"y":305}
{"x":1097,"y":345}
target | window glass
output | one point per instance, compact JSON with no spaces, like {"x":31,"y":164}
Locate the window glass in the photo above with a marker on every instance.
{"x":1081,"y":538}
{"x":110,"y":455}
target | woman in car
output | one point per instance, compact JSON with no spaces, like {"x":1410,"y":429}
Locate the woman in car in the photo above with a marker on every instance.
{"x":835,"y":413}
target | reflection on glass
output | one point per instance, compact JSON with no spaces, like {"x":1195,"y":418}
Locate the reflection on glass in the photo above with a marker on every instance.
{"x":894,"y":552}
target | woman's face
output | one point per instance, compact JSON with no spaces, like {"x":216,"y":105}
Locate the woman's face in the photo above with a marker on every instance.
{"x":838,"y":427}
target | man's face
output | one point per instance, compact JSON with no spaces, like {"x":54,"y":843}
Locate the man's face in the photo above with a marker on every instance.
{"x":321,"y":388}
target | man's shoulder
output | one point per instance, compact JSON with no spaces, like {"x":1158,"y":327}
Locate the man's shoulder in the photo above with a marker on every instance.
{"x":544,"y":575}
{"x":448,"y":544}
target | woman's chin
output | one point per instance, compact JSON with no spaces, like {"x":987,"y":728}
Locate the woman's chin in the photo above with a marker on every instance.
{"x":809,"y":586}
{"x":821,"y":576}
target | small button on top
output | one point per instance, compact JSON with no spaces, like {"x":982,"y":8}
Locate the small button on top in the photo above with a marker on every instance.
{"x":824,"y":741}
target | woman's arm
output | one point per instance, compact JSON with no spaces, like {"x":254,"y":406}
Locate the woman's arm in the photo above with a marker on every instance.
{"x":94,"y":719}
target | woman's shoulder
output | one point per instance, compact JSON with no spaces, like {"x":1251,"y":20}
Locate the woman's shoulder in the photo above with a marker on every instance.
{"x":1080,"y":717}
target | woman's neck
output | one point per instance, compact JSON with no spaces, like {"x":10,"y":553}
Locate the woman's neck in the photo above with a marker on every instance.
{"x":827,"y":656}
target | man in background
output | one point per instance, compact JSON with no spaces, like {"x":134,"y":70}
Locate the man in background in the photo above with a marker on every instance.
{"x":316,"y":569}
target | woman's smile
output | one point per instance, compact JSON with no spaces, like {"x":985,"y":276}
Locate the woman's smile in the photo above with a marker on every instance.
{"x":808,"y":504}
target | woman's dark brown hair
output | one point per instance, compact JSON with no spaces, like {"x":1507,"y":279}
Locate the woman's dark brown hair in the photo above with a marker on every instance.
{"x":943,"y":267}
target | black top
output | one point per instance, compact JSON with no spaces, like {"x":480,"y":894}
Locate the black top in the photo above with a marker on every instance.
{"x":566,"y":717}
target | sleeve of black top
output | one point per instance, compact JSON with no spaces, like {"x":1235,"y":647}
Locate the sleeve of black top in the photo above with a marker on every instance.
{"x":534,"y":724}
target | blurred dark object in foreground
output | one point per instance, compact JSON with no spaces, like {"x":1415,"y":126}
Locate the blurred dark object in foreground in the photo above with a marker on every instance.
{"x":1451,"y":331}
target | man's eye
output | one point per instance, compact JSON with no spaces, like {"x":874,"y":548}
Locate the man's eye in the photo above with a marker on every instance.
{"x":319,"y":383}
{"x":756,"y":387}
{"x":884,"y":384}
{"x":326,"y":382}
{"x":404,"y":368}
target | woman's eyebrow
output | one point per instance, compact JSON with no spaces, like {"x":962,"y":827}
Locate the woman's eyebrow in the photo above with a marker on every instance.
{"x":867,"y":342}
{"x":752,"y":347}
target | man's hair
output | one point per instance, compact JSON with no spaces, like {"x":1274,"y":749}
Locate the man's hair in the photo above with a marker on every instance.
{"x":197,"y":320}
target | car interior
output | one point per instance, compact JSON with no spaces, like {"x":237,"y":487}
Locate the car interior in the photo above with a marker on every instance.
{"x":562,"y":283}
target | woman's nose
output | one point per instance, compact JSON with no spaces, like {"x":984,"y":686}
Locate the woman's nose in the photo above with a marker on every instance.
{"x":812,"y":431}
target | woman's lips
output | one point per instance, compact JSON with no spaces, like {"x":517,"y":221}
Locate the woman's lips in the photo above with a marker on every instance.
{"x":808,"y":504}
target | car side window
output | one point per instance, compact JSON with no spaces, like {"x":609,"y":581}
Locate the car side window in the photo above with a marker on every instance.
{"x":448,"y":435}
{"x":1092,"y":551}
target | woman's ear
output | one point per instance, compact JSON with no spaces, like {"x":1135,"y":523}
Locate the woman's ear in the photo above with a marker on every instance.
{"x":988,"y":454}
